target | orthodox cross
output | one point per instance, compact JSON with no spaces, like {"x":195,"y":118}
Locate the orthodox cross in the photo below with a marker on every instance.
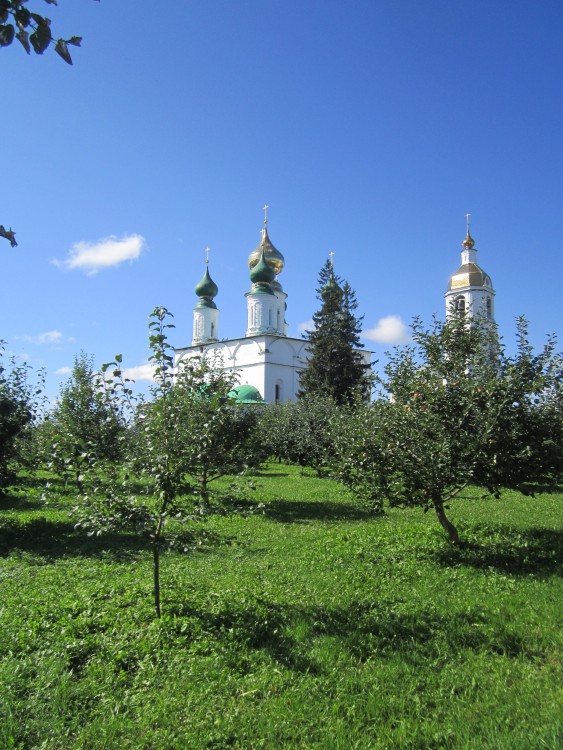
{"x":206,"y":256}
{"x":331,"y":256}
{"x":467,"y":218}
{"x":265,"y":209}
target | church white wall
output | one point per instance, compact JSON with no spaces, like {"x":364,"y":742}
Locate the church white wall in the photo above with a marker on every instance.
{"x":479,"y":301}
{"x":262,"y":361}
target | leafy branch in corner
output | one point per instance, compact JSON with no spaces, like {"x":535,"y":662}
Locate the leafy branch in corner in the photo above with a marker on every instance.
{"x":32,"y":30}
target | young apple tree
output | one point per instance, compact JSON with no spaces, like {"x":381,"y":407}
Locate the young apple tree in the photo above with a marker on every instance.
{"x":187,"y":435}
{"x":454,"y":409}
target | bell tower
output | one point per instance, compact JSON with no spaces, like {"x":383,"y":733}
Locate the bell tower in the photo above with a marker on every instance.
{"x":470,"y":290}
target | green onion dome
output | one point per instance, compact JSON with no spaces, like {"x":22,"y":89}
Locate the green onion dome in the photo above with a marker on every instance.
{"x":206,"y":289}
{"x":262,"y":272}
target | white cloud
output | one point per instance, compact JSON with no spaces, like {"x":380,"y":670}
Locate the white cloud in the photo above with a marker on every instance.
{"x":63,"y":371}
{"x":92,"y":257}
{"x":308,"y":325}
{"x":388,"y":330}
{"x":49,"y":337}
{"x":140,"y":372}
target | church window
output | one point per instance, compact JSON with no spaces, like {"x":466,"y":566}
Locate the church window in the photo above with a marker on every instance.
{"x":212,"y":330}
{"x":459,"y":305}
{"x":489,"y":308}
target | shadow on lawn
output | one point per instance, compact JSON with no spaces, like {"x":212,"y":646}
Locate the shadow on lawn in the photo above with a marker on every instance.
{"x":313,"y":639}
{"x":56,"y":539}
{"x":14,"y":502}
{"x":298,"y":511}
{"x":528,"y":552}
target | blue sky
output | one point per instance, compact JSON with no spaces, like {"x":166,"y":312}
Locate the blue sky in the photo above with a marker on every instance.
{"x":370,"y":128}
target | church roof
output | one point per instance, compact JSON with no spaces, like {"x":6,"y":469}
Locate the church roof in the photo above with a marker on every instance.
{"x":273,"y":256}
{"x":246,"y":394}
{"x":262,"y":272}
{"x":469,"y":274}
{"x":206,"y":287}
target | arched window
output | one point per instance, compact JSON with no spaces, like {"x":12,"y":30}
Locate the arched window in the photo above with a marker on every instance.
{"x":489,"y":308}
{"x":212,"y":330}
{"x":459,"y":305}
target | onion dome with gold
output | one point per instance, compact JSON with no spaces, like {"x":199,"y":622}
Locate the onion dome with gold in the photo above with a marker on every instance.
{"x":273,"y":256}
{"x":469,"y":273}
{"x":262,"y":275}
{"x":206,"y":289}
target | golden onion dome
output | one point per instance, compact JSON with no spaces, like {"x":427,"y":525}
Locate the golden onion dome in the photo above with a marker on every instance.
{"x":272,"y":255}
{"x":468,"y":243}
{"x":469,"y":274}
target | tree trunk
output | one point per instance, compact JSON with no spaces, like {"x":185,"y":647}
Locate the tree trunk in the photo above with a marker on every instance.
{"x":156,"y":575}
{"x":446,"y":523}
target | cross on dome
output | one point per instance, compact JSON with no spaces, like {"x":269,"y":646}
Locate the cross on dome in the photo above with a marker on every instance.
{"x":265,"y":209}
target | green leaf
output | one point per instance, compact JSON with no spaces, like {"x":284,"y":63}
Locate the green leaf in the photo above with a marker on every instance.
{"x":41,"y":37}
{"x":23,"y":17}
{"x":62,"y":50}
{"x":23,"y":37}
{"x":7,"y":33}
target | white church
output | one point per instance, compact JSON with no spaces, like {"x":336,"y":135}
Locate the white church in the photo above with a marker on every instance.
{"x":268,"y":361}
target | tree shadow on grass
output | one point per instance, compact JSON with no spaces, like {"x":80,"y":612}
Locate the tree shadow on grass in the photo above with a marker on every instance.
{"x":300,"y":511}
{"x":381,"y":629}
{"x":53,"y":540}
{"x":15,"y":502}
{"x":296,"y":636}
{"x":537,"y":552}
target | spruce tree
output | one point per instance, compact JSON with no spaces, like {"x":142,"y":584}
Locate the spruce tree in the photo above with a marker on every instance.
{"x":336,"y":367}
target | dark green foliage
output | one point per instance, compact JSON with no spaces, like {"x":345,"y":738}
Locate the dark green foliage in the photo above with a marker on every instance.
{"x":188,"y":435}
{"x":84,"y":426}
{"x":525,"y":451}
{"x":299,"y":432}
{"x":21,"y":400}
{"x":33,"y":29}
{"x":458,"y":411}
{"x":336,"y":368}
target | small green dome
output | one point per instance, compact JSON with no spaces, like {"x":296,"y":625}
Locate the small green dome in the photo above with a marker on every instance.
{"x":206,"y":288}
{"x":262,"y":273}
{"x":246,"y":394}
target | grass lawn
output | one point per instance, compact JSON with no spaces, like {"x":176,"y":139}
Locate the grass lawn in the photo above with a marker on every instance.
{"x":309,"y":624}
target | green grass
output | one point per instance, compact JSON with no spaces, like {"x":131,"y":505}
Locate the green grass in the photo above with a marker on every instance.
{"x":310,"y":624}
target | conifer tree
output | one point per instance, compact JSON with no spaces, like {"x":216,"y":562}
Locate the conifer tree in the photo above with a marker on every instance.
{"x":336,"y":367}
